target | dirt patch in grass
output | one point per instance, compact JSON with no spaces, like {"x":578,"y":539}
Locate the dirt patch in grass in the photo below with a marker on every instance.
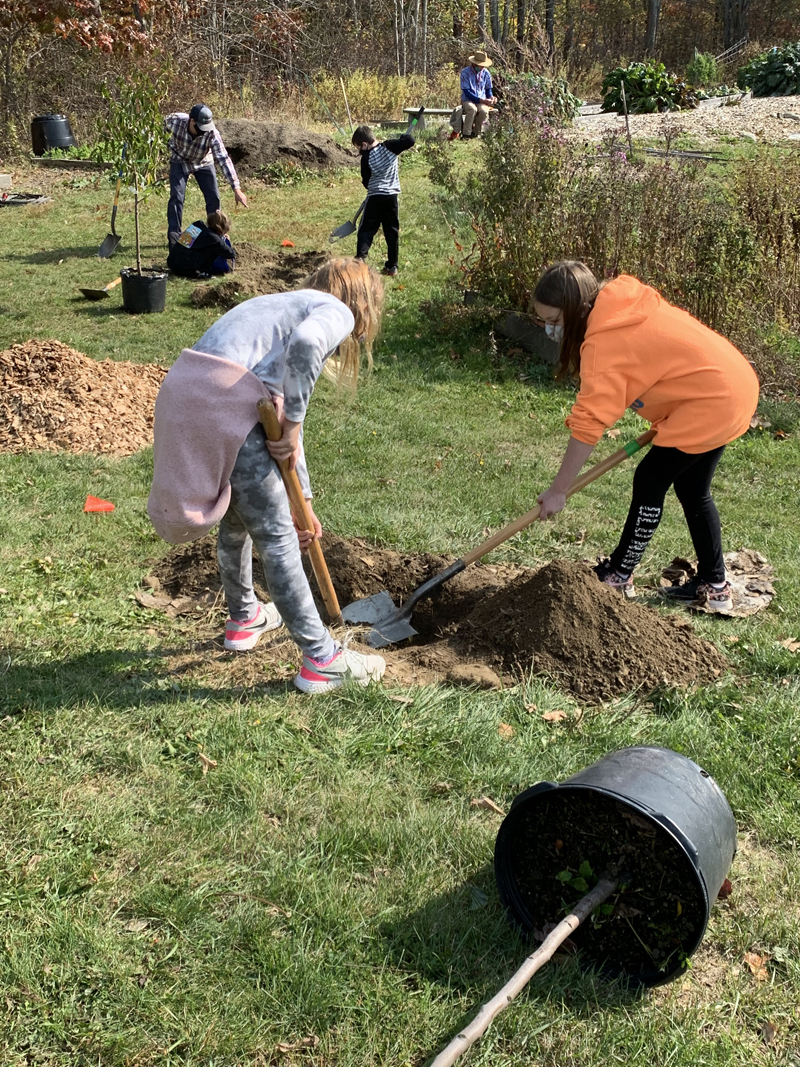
{"x":259,"y":271}
{"x":55,"y":399}
{"x":255,"y":145}
{"x":488,"y":625}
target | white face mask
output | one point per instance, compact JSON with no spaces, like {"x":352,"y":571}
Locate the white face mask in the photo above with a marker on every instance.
{"x":554,"y":331}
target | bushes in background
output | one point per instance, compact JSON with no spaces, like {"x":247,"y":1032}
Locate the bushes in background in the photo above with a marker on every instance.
{"x":773,"y":73}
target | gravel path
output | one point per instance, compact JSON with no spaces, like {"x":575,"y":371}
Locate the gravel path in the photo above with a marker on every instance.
{"x":764,"y":119}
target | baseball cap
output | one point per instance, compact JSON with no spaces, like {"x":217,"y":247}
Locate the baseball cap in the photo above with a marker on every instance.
{"x":203,"y":118}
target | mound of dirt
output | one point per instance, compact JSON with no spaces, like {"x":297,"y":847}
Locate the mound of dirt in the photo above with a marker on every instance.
{"x":489,"y":621}
{"x":253,"y":145}
{"x":564,"y":622}
{"x":56,"y":399}
{"x":259,"y":271}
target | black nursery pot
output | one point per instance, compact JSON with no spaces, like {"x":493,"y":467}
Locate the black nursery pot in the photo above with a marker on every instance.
{"x":143,"y":293}
{"x":51,"y":131}
{"x":657,"y":815}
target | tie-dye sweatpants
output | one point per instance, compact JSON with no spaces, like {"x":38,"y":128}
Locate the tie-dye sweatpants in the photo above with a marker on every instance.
{"x":259,"y":515}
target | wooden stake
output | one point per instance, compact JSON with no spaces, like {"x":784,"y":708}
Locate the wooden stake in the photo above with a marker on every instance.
{"x":627,"y":120}
{"x":344,"y":94}
{"x":480,"y":1024}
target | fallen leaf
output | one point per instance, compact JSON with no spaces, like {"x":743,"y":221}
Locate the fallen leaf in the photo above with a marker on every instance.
{"x":295,"y":1046}
{"x":791,"y":643}
{"x":757,"y":965}
{"x":147,"y":600}
{"x":613,"y":434}
{"x":780,"y":435}
{"x":370,"y":562}
{"x":441,"y":787}
{"x":725,"y":890}
{"x":206,"y":762}
{"x":530,"y":708}
{"x":756,"y":422}
{"x":400,"y":700}
{"x":732,"y":638}
{"x":487,"y":804}
{"x":768,"y":1032}
{"x":554,"y":716}
{"x":505,"y":730}
{"x":135,"y":926}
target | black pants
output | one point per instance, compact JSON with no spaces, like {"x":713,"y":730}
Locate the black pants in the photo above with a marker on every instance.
{"x":691,"y":476}
{"x":380,"y":211}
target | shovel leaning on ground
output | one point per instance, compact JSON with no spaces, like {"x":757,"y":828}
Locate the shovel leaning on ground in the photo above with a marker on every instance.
{"x":274,"y":432}
{"x":100,"y":294}
{"x":352,"y":224}
{"x":391,"y":624}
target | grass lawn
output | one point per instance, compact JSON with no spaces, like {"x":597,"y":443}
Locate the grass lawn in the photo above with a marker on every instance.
{"x":324,"y":894}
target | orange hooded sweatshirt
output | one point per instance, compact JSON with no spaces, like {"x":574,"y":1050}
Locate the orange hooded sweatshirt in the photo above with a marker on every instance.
{"x":693,"y":386}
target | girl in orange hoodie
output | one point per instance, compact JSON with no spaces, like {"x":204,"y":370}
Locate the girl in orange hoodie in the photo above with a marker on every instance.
{"x":629,"y":348}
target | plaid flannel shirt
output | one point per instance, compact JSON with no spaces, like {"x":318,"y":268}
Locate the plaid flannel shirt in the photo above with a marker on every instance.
{"x":196,"y":152}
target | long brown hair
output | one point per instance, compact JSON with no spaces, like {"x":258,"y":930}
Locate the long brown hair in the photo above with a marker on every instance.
{"x":572,"y":287}
{"x":359,"y":287}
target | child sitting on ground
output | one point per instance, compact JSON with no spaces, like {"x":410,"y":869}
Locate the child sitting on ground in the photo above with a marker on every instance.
{"x":380,"y":176}
{"x":203,"y":249}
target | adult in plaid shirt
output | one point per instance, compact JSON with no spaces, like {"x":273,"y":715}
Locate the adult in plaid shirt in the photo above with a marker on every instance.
{"x":193,"y":141}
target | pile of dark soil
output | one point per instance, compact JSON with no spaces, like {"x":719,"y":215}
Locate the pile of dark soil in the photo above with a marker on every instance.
{"x":56,"y":399}
{"x":499,"y":621}
{"x":655,"y":922}
{"x":564,"y":622}
{"x":253,"y":145}
{"x":259,"y":271}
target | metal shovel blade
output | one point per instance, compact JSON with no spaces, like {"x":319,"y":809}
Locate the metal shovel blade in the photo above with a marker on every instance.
{"x":109,"y":246}
{"x":342,"y":231}
{"x":389,"y":623}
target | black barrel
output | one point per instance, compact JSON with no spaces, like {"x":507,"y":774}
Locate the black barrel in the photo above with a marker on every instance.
{"x":655,"y":815}
{"x":51,"y":131}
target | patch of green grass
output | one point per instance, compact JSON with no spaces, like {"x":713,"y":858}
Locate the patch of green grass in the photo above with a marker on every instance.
{"x":328,"y":878}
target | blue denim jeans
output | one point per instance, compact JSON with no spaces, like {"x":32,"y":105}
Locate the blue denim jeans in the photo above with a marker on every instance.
{"x":206,"y":179}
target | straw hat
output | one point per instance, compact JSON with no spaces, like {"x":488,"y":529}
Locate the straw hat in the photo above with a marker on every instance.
{"x":480,"y":59}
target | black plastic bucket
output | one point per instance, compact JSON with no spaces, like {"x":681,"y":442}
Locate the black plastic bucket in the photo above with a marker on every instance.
{"x":658,"y":816}
{"x":51,"y":131}
{"x":143,"y":293}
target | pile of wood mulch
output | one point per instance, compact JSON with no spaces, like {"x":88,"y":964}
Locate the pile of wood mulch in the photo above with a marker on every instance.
{"x":55,"y":399}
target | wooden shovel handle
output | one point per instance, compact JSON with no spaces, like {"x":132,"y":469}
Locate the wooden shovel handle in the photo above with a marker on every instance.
{"x":117,"y":281}
{"x":274,"y":432}
{"x":580,"y":483}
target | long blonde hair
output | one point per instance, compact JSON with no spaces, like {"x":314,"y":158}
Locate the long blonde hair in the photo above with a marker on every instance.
{"x":572,"y":287}
{"x":359,"y":287}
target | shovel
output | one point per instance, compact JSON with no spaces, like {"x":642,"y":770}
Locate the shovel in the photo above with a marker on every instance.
{"x":274,"y":432}
{"x":347,"y":227}
{"x":350,"y":226}
{"x":391,"y":624}
{"x":100,"y":294}
{"x":112,"y":240}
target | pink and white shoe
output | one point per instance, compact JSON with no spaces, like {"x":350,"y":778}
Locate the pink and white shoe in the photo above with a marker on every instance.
{"x":242,"y":636}
{"x":345,"y":666}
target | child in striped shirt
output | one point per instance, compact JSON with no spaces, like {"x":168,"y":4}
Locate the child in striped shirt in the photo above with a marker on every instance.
{"x":381,"y":178}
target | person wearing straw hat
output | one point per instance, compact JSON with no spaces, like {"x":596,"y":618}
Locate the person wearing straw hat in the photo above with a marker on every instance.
{"x":477,"y":96}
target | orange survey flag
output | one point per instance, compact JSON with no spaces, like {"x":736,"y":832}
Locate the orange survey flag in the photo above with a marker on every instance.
{"x":94,"y":503}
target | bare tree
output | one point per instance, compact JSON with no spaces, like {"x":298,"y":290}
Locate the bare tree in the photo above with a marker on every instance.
{"x":735,"y":21}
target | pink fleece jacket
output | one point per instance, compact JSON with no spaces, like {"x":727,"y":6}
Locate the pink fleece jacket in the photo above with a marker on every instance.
{"x":205,"y":409}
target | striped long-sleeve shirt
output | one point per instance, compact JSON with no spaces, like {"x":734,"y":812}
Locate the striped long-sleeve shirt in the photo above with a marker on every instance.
{"x":196,"y":152}
{"x":380,"y":173}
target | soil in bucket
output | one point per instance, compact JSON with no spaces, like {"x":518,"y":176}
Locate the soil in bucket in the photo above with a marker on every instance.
{"x":501,"y":621}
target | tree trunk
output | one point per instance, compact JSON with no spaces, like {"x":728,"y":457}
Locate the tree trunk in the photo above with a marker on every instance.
{"x":735,"y":19}
{"x":482,"y":16}
{"x":397,"y":37}
{"x":494,"y":11}
{"x":136,"y":225}
{"x":458,"y":22}
{"x":521,"y":12}
{"x":550,"y":27}
{"x":651,"y":32}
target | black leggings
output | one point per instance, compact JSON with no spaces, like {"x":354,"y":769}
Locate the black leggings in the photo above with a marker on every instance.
{"x":381,"y":210}
{"x":691,"y":476}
